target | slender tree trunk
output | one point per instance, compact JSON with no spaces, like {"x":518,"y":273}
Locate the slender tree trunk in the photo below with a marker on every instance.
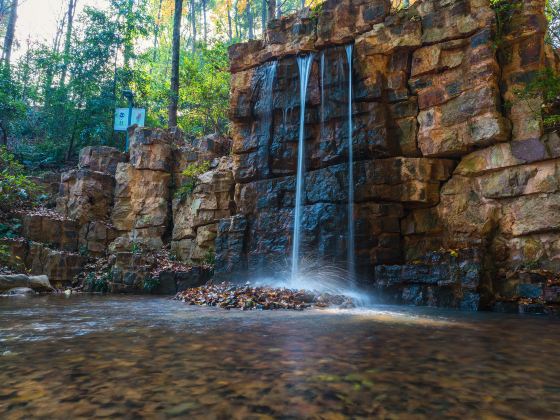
{"x":263,"y":16}
{"x":26,"y":72}
{"x":72,"y":139}
{"x":156,"y":32}
{"x":236,"y":19}
{"x":128,"y":36}
{"x":250,"y":20}
{"x":174,"y":93}
{"x":230,"y":31}
{"x":271,"y":9}
{"x":68,"y":40}
{"x":4,"y":135}
{"x":205,"y":22}
{"x":193,"y":23}
{"x":10,"y":34}
{"x":302,"y":4}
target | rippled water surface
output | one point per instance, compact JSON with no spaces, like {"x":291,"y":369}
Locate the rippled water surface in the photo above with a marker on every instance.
{"x":151,"y":357}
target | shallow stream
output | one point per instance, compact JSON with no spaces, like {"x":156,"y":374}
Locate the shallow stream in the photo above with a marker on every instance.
{"x":113,"y":356}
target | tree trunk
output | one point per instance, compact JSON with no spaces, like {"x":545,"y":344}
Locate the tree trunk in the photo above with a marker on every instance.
{"x":68,"y":40}
{"x":263,"y":16}
{"x":193,"y":23}
{"x":174,"y":93}
{"x":302,"y":4}
{"x":236,"y":19}
{"x":205,"y":22}
{"x":230,"y":31}
{"x":4,"y":135}
{"x":156,"y":32}
{"x":128,"y":36}
{"x":72,"y":139}
{"x":10,"y":34}
{"x":271,"y":9}
{"x":250,"y":21}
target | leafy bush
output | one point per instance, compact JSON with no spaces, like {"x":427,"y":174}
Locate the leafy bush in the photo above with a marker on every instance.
{"x":10,"y":229}
{"x":15,"y":187}
{"x":545,"y":86}
{"x":150,"y":284}
{"x":95,"y":283}
{"x":192,"y":172}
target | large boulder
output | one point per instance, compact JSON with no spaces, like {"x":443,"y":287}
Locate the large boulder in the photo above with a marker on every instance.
{"x":13,"y":281}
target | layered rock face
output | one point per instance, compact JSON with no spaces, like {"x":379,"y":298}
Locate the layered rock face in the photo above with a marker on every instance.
{"x":123,"y":207}
{"x":446,"y":153}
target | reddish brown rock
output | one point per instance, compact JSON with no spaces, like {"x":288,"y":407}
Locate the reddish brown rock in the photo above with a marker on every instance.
{"x":60,"y":233}
{"x":141,"y":207}
{"x":151,"y":149}
{"x":100,"y":159}
{"x":86,"y":195}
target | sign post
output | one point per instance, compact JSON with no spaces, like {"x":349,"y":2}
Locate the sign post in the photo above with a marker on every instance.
{"x":126,"y":117}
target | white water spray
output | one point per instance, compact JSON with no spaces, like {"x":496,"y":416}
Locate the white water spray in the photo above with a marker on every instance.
{"x":304,"y":65}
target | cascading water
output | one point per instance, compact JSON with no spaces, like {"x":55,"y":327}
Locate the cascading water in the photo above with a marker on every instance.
{"x":263,"y":111}
{"x":322,"y":90}
{"x":304,"y":65}
{"x":351,"y":257}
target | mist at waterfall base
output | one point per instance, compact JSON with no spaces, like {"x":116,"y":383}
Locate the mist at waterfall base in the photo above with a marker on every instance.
{"x":318,"y":276}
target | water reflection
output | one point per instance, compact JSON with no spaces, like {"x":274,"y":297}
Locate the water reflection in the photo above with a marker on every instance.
{"x":128,"y":357}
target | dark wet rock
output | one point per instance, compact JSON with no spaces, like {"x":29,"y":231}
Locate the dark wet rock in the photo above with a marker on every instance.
{"x":20,"y":281}
{"x":447,"y":279}
{"x":19,"y":291}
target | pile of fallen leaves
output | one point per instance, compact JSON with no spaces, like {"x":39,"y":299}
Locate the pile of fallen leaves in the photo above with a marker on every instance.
{"x":247,"y":297}
{"x":163,"y":261}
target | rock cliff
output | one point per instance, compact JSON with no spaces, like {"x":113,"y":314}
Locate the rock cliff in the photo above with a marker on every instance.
{"x":447,"y":154}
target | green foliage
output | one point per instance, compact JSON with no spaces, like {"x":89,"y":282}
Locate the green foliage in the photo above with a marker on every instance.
{"x":15,"y":186}
{"x":136,"y":248}
{"x":552,"y":11}
{"x":150,"y":284}
{"x":192,"y":172}
{"x":4,"y":254}
{"x":97,"y":283}
{"x":84,"y":251}
{"x":545,"y":86}
{"x":204,"y":80}
{"x":505,"y":10}
{"x":210,"y":258}
{"x":11,"y":229}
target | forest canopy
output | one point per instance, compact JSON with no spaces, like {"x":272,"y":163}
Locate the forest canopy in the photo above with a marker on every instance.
{"x":60,"y":96}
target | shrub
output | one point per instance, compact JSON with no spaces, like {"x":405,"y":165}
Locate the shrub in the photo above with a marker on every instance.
{"x":192,"y":172}
{"x":15,"y":187}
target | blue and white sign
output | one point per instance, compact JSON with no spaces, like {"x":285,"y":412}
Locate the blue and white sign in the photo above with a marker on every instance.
{"x":121,"y":118}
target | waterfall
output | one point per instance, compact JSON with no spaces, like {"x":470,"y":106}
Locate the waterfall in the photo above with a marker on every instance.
{"x":351,"y":257}
{"x":304,"y":65}
{"x":322,"y":90}
{"x":265,"y":101}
